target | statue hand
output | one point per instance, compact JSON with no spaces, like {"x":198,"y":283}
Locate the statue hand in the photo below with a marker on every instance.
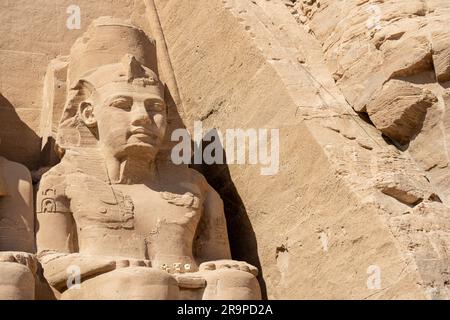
{"x":58,"y":267}
{"x":229,"y":264}
{"x":127,"y":262}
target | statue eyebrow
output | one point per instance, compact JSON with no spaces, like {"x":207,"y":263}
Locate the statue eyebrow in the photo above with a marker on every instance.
{"x":116,"y":97}
{"x":151,"y":99}
{"x":154,"y":99}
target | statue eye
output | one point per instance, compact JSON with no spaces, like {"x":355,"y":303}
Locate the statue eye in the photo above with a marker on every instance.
{"x":122,"y":103}
{"x":153,"y":106}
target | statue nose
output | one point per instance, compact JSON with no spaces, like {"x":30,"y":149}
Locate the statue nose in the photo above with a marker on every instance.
{"x":140,"y":115}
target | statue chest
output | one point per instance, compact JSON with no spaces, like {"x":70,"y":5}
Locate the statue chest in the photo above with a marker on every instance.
{"x":135,"y":207}
{"x":154,"y":210}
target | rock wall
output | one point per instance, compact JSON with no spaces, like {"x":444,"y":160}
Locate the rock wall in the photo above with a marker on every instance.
{"x":339,"y":180}
{"x":391,"y":60}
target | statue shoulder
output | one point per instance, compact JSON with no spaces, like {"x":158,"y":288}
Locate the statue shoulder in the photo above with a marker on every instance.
{"x":182,"y":174}
{"x":55,"y":176}
{"x":199,"y":179}
{"x":51,"y":195}
{"x":208,"y":191}
{"x":52,"y":186}
{"x":197,"y":176}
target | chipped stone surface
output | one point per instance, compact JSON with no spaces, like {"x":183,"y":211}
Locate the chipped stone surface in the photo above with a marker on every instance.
{"x":441,"y":55}
{"x":398,"y":110}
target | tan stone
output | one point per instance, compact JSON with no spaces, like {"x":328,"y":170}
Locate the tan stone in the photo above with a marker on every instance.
{"x":332,"y":186}
{"x":16,"y":208}
{"x":13,"y":122}
{"x":441,"y":55}
{"x":358,"y":90}
{"x":17,"y":282}
{"x":17,"y":263}
{"x":399,"y":109}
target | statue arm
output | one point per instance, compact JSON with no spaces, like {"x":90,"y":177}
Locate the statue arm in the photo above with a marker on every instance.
{"x":56,"y":229}
{"x":212,"y":243}
{"x":57,"y":241}
{"x":212,"y":239}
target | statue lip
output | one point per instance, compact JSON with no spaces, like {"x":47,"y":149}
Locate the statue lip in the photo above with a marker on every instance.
{"x":144,"y":131}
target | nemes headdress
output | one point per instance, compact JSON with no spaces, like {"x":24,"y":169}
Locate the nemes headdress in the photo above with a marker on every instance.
{"x":111,"y":50}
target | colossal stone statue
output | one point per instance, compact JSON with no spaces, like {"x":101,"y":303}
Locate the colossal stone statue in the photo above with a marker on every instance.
{"x":113,"y":214}
{"x":17,"y":263}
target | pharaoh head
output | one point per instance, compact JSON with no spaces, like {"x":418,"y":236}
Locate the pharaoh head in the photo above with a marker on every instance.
{"x":123,"y":107}
{"x":116,"y":101}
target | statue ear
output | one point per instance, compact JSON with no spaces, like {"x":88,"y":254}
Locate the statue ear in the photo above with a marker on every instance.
{"x":87,"y":114}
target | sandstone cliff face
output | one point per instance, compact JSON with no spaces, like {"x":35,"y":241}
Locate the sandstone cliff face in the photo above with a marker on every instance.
{"x":391,"y":61}
{"x":359,"y":90}
{"x":347,"y":101}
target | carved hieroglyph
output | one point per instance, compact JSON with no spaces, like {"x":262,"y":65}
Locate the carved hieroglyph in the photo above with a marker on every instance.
{"x":17,"y":263}
{"x":134,"y":227}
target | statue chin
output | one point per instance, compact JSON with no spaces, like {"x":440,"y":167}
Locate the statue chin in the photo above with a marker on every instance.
{"x":139,"y":150}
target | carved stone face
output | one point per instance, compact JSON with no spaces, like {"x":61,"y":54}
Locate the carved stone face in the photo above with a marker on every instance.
{"x":130,"y":118}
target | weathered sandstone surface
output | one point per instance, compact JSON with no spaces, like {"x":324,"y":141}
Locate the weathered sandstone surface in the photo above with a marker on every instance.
{"x":359,"y":91}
